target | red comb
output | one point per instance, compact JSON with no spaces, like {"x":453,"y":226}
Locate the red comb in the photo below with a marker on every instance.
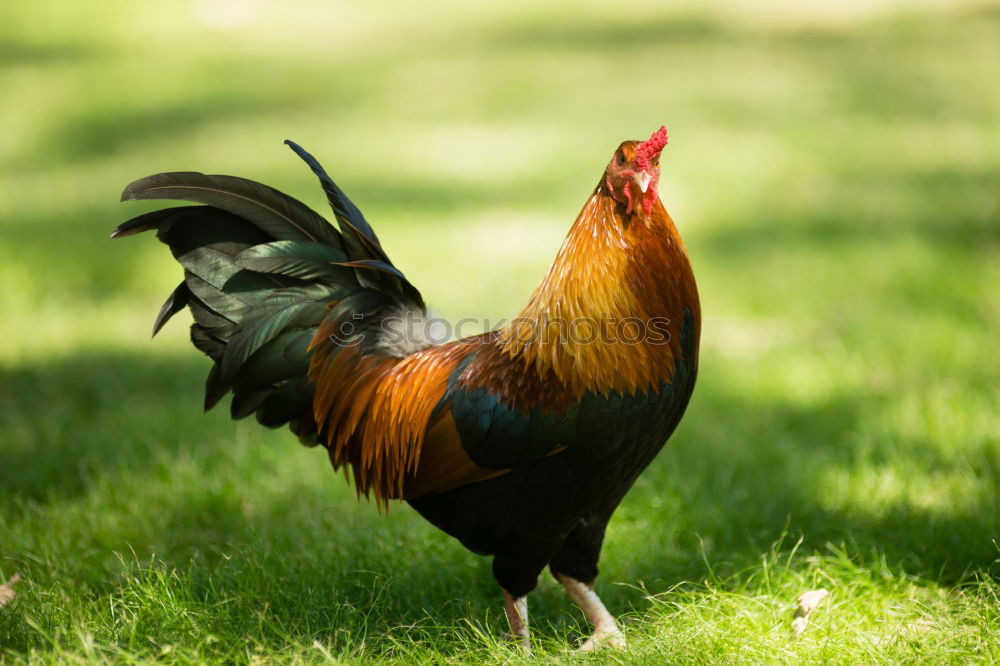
{"x":650,"y":149}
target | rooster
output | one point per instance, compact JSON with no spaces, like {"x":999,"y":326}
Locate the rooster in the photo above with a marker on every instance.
{"x":519,"y":442}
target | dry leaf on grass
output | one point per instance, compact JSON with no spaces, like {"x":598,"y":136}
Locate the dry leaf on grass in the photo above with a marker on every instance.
{"x":7,"y":593}
{"x":808,"y":601}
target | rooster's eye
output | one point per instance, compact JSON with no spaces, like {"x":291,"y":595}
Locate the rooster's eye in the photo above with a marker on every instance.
{"x":621,"y":159}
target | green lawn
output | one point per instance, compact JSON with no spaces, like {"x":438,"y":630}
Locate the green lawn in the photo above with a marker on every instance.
{"x":835,"y":173}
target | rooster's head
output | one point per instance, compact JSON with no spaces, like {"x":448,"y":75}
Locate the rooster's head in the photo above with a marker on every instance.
{"x":633,"y":174}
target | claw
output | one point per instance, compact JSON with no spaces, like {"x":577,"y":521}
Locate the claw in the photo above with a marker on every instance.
{"x":613,"y":639}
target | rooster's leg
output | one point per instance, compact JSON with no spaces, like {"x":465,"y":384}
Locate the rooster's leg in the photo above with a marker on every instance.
{"x":517,"y":616}
{"x":606,"y":631}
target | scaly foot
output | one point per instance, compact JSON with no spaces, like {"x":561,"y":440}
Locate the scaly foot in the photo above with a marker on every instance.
{"x":606,"y":631}
{"x":517,"y":616}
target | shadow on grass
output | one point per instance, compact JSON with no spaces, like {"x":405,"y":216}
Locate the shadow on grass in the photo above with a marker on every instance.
{"x":69,"y":419}
{"x":643,"y":33}
{"x":744,"y":473}
{"x":100,"y":131}
{"x":25,"y":53}
{"x":945,"y":207}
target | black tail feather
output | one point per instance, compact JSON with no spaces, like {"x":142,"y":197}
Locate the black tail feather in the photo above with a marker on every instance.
{"x":261,"y":272}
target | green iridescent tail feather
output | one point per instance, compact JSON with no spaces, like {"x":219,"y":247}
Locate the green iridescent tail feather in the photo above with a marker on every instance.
{"x":261,"y":270}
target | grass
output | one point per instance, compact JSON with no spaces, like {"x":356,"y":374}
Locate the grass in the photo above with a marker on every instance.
{"x":834,"y":173}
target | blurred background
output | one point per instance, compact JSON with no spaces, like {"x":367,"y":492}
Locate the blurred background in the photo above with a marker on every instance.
{"x":833,"y":168}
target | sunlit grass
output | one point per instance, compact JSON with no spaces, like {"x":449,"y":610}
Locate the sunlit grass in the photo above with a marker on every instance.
{"x":833,"y":170}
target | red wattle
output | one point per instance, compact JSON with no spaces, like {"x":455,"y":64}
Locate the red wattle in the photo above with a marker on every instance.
{"x":628,"y":195}
{"x":649,"y":199}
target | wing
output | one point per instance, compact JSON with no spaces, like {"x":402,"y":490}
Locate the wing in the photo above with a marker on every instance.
{"x":495,"y":414}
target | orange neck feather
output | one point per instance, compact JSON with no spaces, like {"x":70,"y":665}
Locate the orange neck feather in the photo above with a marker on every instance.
{"x":608,"y":315}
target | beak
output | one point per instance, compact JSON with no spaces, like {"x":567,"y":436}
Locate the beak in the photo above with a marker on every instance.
{"x":642,"y":179}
